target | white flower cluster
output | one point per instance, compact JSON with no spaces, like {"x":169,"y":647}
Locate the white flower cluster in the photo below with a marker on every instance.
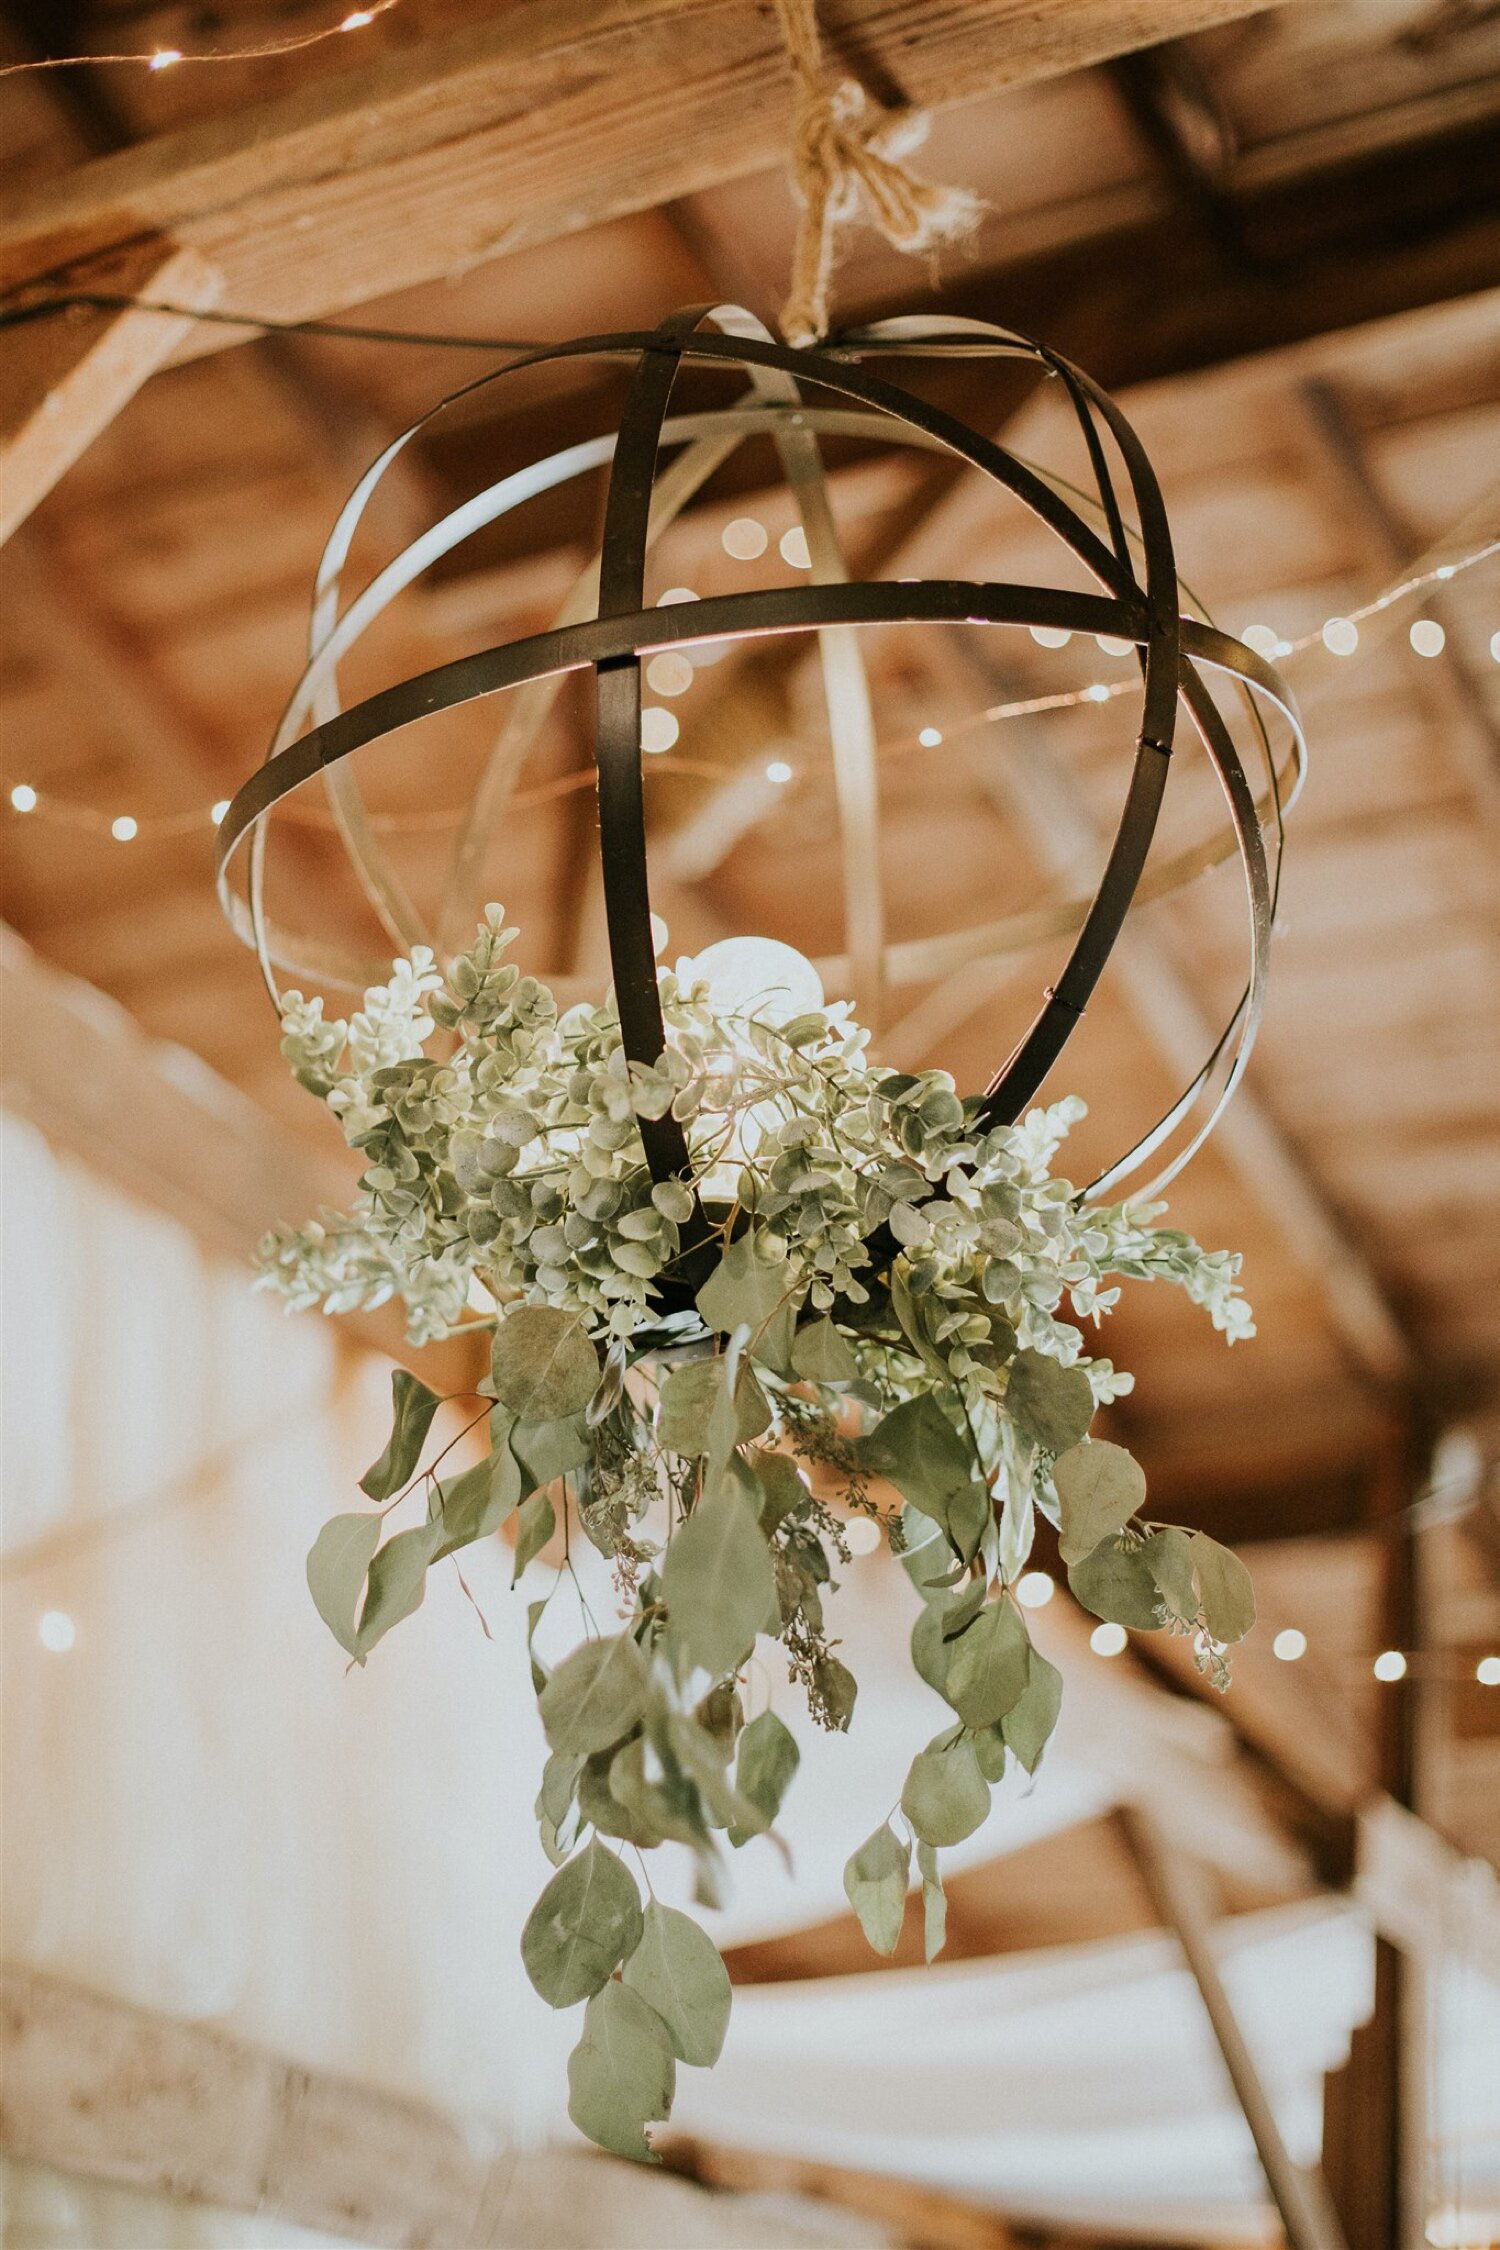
{"x":510,"y":1165}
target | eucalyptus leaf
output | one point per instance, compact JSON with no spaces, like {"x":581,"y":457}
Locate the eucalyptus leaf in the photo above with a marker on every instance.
{"x":916,"y":1448}
{"x":689,"y":1396}
{"x":1168,"y":1556}
{"x":717,"y":1582}
{"x":398,"y":1580}
{"x":780,"y":1488}
{"x":1099,"y":1488}
{"x":836,"y":1690}
{"x":595,"y":1696}
{"x":987,"y":1676}
{"x":1028,"y":1724}
{"x":536,"y":1521}
{"x":768,"y":1758}
{"x":934,"y":1903}
{"x":946,"y":1796}
{"x":820,"y":1354}
{"x":1052,"y":1404}
{"x":542,"y":1363}
{"x":412,"y":1407}
{"x":546,"y":1451}
{"x":1224,"y":1589}
{"x":586,"y":1922}
{"x":600,"y":1808}
{"x":621,"y":2075}
{"x":924,"y":1553}
{"x":1115,"y":1582}
{"x":670,"y":1807}
{"x":476,"y":1504}
{"x":678,"y":1971}
{"x":991,"y":1753}
{"x":337,"y":1563}
{"x":875,"y":1885}
{"x":707,"y":1766}
{"x":746,"y":1288}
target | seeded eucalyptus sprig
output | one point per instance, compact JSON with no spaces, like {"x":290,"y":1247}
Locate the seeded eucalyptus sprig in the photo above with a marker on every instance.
{"x":930,"y":1382}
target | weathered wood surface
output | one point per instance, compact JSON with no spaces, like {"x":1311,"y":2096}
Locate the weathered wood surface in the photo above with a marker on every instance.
{"x":95,"y":2086}
{"x":548,"y":117}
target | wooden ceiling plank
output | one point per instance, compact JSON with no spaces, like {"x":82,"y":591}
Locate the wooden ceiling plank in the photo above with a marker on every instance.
{"x":63,"y":380}
{"x":548,"y":117}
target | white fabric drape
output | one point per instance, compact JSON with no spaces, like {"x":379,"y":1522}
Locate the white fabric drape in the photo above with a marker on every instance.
{"x":208,"y":1815}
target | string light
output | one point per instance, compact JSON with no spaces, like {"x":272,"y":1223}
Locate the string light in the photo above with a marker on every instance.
{"x":659,"y":729}
{"x":1427,"y":637}
{"x":56,"y":1631}
{"x":1034,"y":1589}
{"x":1390,"y":1664}
{"x":744,"y":538}
{"x":1289,"y":1645}
{"x":793,"y":548}
{"x":1108,"y":1640}
{"x":25,"y":798}
{"x":1487,"y":1671}
{"x":1050,"y":636}
{"x":1341,"y":636}
{"x":167,"y":58}
{"x":861,"y":1536}
{"x":1109,"y":644}
{"x":670,"y":673}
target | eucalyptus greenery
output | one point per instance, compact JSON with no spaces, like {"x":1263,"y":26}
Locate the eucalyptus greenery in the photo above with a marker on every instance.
{"x":876,"y":1329}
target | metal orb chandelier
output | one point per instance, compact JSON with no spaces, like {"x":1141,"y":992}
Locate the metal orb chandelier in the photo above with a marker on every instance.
{"x":656,"y":462}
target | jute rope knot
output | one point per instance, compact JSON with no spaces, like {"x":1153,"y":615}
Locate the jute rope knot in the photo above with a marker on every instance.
{"x":844,"y":143}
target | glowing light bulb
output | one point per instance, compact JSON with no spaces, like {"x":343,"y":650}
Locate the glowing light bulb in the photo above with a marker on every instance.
{"x":861,"y":1535}
{"x":930,"y":737}
{"x":659,"y":729}
{"x":1108,"y":1640}
{"x":1050,"y":636}
{"x":356,"y":20}
{"x":23,"y":797}
{"x":1289,"y":1644}
{"x":1495,"y":647}
{"x":1487,"y":1671}
{"x":1098,"y":693}
{"x":779,"y":772}
{"x":56,"y":1631}
{"x":1341,"y":636}
{"x":124,"y":828}
{"x":669,"y":674}
{"x":1446,"y":570}
{"x":744,"y":539}
{"x":1390,"y":1664}
{"x":659,"y":936}
{"x":1111,"y":644}
{"x":675,"y":594}
{"x":1427,"y":636}
{"x":1034,"y":1589}
{"x":756,"y":976}
{"x":793,"y":548}
{"x":217,"y":811}
{"x":164,"y":58}
{"x":1264,"y":639}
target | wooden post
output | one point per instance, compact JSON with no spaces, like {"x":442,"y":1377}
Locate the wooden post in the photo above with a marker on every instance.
{"x":1300,"y":2197}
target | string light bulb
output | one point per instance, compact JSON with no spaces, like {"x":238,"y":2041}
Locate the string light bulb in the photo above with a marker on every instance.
{"x":779,"y":772}
{"x":793,"y":548}
{"x":1108,"y":1639}
{"x":124,"y":828}
{"x":1289,"y":1645}
{"x":1427,"y":637}
{"x":861,"y":1536}
{"x":1487,"y":1671}
{"x":659,"y":729}
{"x":164,"y":58}
{"x":56,"y":1631}
{"x":23,"y":797}
{"x":217,"y":811}
{"x":1389,"y":1665}
{"x":744,"y":539}
{"x":1034,"y":1589}
{"x":930,"y":738}
{"x":1341,"y":636}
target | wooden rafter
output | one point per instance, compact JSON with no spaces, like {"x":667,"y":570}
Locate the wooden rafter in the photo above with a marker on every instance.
{"x":63,"y":381}
{"x":157,"y":1122}
{"x":549,"y":116}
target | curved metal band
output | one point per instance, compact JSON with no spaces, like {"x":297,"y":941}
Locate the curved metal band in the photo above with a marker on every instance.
{"x":613,"y":644}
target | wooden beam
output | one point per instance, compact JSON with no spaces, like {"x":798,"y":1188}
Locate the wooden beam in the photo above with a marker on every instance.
{"x":1300,"y":2197}
{"x":95,"y":2086}
{"x":924,"y":2218}
{"x":62,"y":381}
{"x":549,"y":116}
{"x":155,"y":1121}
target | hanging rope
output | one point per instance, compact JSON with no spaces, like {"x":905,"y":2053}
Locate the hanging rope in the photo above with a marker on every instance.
{"x":843,"y":142}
